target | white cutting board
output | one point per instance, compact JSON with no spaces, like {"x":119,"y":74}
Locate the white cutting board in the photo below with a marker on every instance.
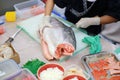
{"x":30,"y":26}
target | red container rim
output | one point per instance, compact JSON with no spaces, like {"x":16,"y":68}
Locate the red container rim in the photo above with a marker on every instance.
{"x":49,"y":65}
{"x":73,"y":76}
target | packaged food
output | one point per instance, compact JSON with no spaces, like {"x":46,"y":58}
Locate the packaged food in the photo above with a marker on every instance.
{"x":7,"y":68}
{"x":103,"y":65}
{"x":76,"y":71}
{"x":8,"y":52}
{"x":23,"y":74}
{"x":29,"y":8}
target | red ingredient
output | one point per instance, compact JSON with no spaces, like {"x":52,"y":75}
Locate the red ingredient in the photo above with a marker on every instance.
{"x":99,"y":74}
{"x":73,"y":76}
{"x":64,"y":49}
{"x":113,"y":65}
{"x":92,"y":66}
{"x":115,"y":78}
{"x":103,"y":63}
{"x":35,"y":10}
{"x":110,"y":60}
{"x":104,"y":78}
{"x":2,"y":30}
{"x":99,"y":68}
{"x":114,"y":71}
{"x":44,"y":1}
{"x":28,"y":77}
{"x":98,"y":64}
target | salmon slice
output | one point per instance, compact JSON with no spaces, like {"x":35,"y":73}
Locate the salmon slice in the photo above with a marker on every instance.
{"x":98,"y":74}
{"x":113,"y":71}
{"x":115,"y":78}
{"x":99,"y":64}
{"x":92,"y":66}
{"x":111,"y":60}
{"x":113,"y":66}
{"x":104,"y":78}
{"x":103,"y":63}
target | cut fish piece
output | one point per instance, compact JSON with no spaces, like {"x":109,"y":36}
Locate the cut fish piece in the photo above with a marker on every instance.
{"x":115,"y":78}
{"x":114,"y":71}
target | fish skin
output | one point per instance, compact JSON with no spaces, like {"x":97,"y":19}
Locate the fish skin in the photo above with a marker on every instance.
{"x":68,"y":32}
{"x":56,"y":35}
{"x":45,"y":50}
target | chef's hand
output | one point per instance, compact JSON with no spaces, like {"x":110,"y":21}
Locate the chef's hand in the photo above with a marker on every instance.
{"x":45,"y":22}
{"x":85,"y":22}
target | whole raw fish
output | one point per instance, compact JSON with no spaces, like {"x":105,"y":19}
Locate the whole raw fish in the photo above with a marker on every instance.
{"x":58,"y":40}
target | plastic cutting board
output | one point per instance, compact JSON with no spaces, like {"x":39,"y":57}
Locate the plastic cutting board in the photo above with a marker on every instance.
{"x":30,"y":26}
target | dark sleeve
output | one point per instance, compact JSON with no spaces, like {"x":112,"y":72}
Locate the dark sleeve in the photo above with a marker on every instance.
{"x":113,"y":9}
{"x":61,"y":3}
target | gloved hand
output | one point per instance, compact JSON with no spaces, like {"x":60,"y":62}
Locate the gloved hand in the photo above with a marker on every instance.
{"x":85,"y":22}
{"x":45,"y":22}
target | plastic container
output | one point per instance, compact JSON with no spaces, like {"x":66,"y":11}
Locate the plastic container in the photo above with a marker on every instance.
{"x":7,"y":68}
{"x":24,"y":74}
{"x":76,"y":71}
{"x":1,"y":22}
{"x":2,"y":29}
{"x":75,"y":77}
{"x":15,"y":56}
{"x":29,"y":8}
{"x":10,"y":16}
{"x":49,"y":65}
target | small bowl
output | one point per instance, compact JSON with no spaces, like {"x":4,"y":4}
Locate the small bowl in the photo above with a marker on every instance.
{"x":73,"y":76}
{"x":49,"y":65}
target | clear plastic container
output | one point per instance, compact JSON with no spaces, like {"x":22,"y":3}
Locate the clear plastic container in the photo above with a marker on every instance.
{"x":24,"y":74}
{"x":7,"y":68}
{"x":2,"y":27}
{"x":29,"y":8}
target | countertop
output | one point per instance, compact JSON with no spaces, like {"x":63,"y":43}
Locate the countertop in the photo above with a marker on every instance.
{"x":29,"y":49}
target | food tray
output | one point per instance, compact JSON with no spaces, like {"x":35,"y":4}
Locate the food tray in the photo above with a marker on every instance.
{"x":98,"y":64}
{"x":7,"y":68}
{"x":15,"y":55}
{"x":29,"y":8}
{"x":23,"y":74}
{"x":77,"y":70}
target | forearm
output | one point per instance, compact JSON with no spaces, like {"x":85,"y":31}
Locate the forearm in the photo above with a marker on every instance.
{"x":107,"y":19}
{"x":49,"y":7}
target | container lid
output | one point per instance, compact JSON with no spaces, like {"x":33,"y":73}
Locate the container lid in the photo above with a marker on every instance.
{"x":23,"y":74}
{"x":7,"y":68}
{"x":1,"y":22}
